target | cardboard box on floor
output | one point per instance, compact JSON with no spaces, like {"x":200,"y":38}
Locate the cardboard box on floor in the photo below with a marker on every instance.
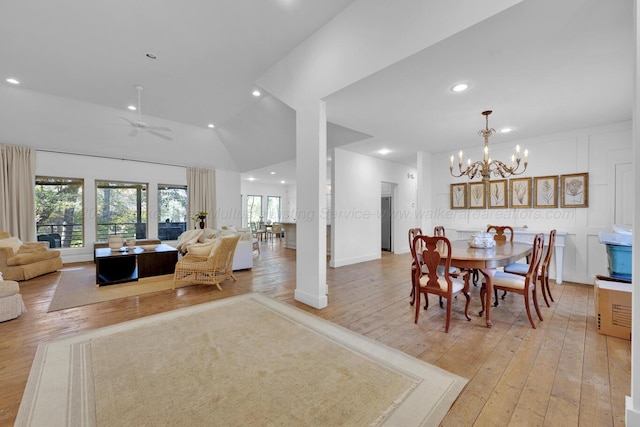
{"x":613,"y":307}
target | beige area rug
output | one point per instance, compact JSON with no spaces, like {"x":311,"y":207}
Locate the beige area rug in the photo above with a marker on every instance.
{"x":245,"y":360}
{"x":77,"y":286}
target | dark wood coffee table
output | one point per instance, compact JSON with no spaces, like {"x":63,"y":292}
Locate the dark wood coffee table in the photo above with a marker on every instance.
{"x":128,"y":265}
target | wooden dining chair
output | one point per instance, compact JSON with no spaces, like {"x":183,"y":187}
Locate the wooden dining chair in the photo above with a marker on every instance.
{"x":413,"y":232}
{"x":500,"y":230}
{"x":499,"y":236}
{"x":429,"y":279}
{"x":543,"y":272}
{"x":438,"y":230}
{"x":523,"y":285}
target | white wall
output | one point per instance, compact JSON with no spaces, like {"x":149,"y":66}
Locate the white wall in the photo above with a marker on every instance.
{"x":92,"y":168}
{"x":357,"y":191}
{"x":596,"y":150}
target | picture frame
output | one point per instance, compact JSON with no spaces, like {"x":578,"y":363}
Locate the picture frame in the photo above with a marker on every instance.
{"x":458,"y":196}
{"x":575,"y":190}
{"x":497,"y":194}
{"x":477,"y":196}
{"x":545,"y":192}
{"x":520,"y":193}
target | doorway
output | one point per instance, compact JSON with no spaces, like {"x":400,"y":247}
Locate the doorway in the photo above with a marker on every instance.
{"x":385,"y":220}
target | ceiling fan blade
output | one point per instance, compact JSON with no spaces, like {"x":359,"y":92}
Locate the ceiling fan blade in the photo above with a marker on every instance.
{"x":162,"y":128}
{"x":133,"y":132}
{"x":129,"y":121}
{"x":158,"y":134}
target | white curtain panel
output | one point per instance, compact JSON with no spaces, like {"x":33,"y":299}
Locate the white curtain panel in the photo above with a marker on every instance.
{"x":17,"y":192}
{"x":201,"y":185}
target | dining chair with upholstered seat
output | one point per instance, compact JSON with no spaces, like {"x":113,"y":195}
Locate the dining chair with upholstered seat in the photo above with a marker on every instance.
{"x":500,"y":232}
{"x":413,"y":232}
{"x":523,"y":285}
{"x":543,"y":272}
{"x":499,"y":236}
{"x":429,"y":279}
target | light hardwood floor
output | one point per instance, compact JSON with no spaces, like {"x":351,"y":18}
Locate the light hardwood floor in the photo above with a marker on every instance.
{"x":562,"y":374}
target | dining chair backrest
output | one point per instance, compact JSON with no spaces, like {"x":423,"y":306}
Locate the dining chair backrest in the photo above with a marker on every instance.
{"x":536,"y":257}
{"x":413,"y":232}
{"x":438,"y":230}
{"x":434,"y":249}
{"x":500,"y":229}
{"x":546,"y":262}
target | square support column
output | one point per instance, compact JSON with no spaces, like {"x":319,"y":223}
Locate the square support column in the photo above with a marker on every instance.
{"x":311,"y":198}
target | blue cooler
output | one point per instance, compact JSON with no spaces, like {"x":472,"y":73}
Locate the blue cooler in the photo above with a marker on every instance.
{"x":619,"y":261}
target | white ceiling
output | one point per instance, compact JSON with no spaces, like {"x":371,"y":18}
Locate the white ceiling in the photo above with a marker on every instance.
{"x":542,"y":66}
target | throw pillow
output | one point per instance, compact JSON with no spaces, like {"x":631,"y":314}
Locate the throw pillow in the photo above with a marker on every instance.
{"x":12,"y":242}
{"x":187,"y":238}
{"x":200,"y":249}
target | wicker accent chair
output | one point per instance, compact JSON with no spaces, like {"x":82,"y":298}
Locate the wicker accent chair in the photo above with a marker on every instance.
{"x":430,"y":279}
{"x":208,"y":270}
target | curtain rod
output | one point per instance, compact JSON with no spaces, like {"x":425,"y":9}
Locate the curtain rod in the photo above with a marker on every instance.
{"x":111,"y":158}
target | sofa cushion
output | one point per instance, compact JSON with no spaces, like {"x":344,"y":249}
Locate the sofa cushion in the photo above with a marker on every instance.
{"x":11,"y":242}
{"x":31,"y":257}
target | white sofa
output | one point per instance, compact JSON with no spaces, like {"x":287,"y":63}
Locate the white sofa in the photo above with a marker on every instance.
{"x":243,"y":256}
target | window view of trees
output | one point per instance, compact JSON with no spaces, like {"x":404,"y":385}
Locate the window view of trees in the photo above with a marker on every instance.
{"x":121,"y":209}
{"x":59,"y":211}
{"x":273,"y":208}
{"x":172,"y":211}
{"x":254,"y":209}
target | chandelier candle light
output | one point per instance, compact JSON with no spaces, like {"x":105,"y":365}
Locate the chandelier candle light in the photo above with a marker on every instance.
{"x":486,"y":166}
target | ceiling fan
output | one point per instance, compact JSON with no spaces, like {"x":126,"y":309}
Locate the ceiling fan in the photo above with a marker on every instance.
{"x":140,"y":125}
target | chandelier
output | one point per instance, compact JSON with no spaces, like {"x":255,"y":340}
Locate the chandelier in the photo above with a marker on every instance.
{"x":486,"y":166}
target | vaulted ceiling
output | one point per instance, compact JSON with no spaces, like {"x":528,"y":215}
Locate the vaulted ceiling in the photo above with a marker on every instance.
{"x":542,"y":66}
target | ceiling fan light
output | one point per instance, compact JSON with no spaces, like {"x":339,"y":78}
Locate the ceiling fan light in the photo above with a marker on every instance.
{"x":460,"y":87}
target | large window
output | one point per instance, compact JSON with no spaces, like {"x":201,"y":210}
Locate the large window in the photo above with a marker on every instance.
{"x":59,"y":211}
{"x":254,"y":209}
{"x":121,"y":209}
{"x":273,"y":208}
{"x":172,"y":211}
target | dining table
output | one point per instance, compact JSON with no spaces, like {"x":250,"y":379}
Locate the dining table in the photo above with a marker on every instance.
{"x":487,"y":261}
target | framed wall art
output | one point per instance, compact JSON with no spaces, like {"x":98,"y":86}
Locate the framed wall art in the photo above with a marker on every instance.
{"x":545,"y":192}
{"x":520,"y":192}
{"x":575,"y":190}
{"x":477,"y":197}
{"x":459,"y":196}
{"x":497,"y":194}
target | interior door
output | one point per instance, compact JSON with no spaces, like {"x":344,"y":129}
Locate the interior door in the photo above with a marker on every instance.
{"x":385,"y":216}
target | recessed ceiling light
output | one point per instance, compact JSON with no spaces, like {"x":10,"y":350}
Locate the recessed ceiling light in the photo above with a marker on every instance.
{"x":460,"y":87}
{"x":256,"y":93}
{"x":13,"y":81}
{"x":272,"y":173}
{"x":384,"y":151}
{"x":151,"y":55}
{"x":132,"y":107}
{"x":211,"y":125}
{"x":505,"y":130}
{"x":251,"y":178}
{"x":282,"y":182}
